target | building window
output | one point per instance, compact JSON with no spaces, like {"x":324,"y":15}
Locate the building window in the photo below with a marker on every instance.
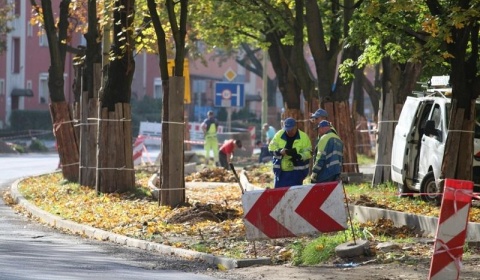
{"x":43,"y":88}
{"x":2,"y":87}
{"x":29,"y":30}
{"x":18,"y":8}
{"x":199,"y":88}
{"x":157,"y":88}
{"x":42,"y":40}
{"x":16,"y":55}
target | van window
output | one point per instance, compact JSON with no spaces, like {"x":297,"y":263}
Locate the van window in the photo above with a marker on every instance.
{"x":437,"y":117}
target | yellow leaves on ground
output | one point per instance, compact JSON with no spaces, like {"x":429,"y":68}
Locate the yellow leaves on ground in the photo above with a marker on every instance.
{"x":139,"y":215}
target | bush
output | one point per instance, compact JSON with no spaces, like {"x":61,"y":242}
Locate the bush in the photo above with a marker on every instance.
{"x":30,"y":119}
{"x":37,"y":146}
{"x":18,"y":148}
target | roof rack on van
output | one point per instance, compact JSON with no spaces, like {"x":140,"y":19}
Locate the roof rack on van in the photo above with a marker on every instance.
{"x":440,"y":92}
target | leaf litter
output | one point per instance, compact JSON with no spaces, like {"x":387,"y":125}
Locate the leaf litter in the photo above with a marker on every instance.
{"x":210,"y":221}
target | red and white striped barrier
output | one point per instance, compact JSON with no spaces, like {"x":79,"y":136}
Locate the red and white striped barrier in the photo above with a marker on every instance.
{"x":138,"y":147}
{"x":194,"y":142}
{"x":451,"y":230}
{"x":294,"y":211}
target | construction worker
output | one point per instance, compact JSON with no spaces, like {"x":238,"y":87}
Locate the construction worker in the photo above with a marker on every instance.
{"x":210,"y":128}
{"x":292,"y":151}
{"x":329,"y":158}
{"x":226,"y":152}
{"x":269,"y":132}
{"x":315,"y":119}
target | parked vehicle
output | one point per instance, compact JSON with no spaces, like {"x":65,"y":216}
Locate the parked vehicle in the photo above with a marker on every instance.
{"x":419,"y":143}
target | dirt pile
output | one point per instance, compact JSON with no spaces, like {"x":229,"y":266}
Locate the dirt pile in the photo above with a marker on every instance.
{"x":201,"y":212}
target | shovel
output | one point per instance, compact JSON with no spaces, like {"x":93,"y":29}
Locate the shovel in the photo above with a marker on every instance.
{"x":236,"y":176}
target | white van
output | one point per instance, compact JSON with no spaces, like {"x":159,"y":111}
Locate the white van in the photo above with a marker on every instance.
{"x":419,"y":143}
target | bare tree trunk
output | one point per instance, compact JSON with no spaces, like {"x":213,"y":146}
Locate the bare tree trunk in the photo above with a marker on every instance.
{"x":115,"y":133}
{"x":339,"y":114}
{"x":398,"y":81}
{"x":63,"y":130}
{"x":457,"y":163}
{"x":386,"y":122}
{"x":67,"y":140}
{"x":173,"y":190}
{"x":88,"y":136}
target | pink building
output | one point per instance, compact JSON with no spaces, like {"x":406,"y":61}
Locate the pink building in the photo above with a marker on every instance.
{"x":24,"y":74}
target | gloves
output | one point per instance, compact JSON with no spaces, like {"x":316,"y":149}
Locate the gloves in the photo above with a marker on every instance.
{"x":290,"y":152}
{"x":295,"y":156}
{"x":313,"y":178}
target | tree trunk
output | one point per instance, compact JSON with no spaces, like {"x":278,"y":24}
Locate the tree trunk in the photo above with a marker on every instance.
{"x":67,"y":140}
{"x":172,"y":187}
{"x":398,"y":81}
{"x":115,"y":151}
{"x":339,"y":113}
{"x":386,"y":122}
{"x":117,"y":173}
{"x":370,"y":89}
{"x":333,"y":93}
{"x":88,"y":138}
{"x":457,"y":163}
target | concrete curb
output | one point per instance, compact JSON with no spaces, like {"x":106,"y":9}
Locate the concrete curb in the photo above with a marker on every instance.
{"x":103,"y":235}
{"x":425,"y":224}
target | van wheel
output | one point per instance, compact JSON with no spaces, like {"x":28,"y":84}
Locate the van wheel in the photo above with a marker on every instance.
{"x":429,"y":189}
{"x":404,"y":191}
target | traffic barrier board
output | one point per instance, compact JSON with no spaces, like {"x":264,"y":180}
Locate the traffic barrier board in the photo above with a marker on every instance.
{"x":294,"y":211}
{"x":451,"y":230}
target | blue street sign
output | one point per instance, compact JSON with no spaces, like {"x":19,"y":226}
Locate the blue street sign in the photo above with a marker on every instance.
{"x":229,"y":95}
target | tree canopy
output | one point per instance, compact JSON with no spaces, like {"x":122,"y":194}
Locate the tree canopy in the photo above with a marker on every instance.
{"x":5,"y":27}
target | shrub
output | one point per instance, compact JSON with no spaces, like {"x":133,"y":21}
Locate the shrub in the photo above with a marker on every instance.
{"x":37,"y":146}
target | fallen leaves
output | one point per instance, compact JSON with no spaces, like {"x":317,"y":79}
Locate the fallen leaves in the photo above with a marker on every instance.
{"x":214,"y":214}
{"x":211,"y":221}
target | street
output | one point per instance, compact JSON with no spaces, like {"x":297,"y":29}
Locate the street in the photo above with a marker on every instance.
{"x":29,"y":250}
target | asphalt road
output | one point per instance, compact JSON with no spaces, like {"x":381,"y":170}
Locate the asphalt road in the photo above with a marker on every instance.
{"x":29,"y":250}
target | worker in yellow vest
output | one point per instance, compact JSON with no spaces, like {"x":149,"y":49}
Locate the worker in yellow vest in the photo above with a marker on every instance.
{"x":210,"y":128}
{"x":292,"y":150}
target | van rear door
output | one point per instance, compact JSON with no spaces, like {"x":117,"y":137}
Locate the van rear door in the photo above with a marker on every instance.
{"x":402,"y":137}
